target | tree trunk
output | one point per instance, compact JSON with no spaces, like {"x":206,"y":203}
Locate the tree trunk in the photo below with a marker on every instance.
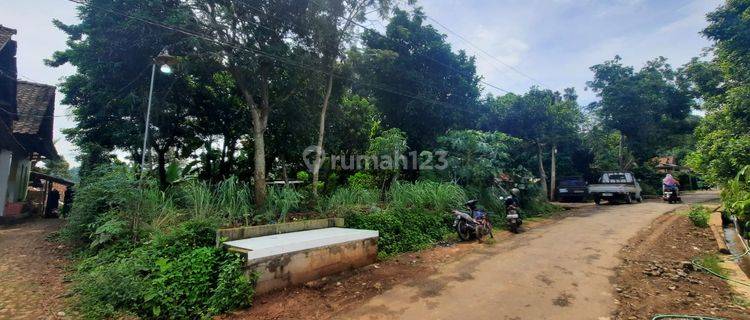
{"x":619,"y":154}
{"x":162,"y":166}
{"x":553,"y":173}
{"x":321,"y":134}
{"x":542,"y":174}
{"x":259,"y":175}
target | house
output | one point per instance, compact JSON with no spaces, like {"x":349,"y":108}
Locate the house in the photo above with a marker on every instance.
{"x":8,"y":110}
{"x":26,"y":127}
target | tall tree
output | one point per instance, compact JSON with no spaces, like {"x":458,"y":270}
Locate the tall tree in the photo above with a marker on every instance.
{"x":108,"y":93}
{"x":723,"y":86}
{"x":333,"y":25}
{"x":419,"y":84}
{"x":255,"y":46}
{"x":646,"y":106}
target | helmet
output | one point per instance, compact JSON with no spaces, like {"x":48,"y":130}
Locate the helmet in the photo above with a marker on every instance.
{"x":471,"y":203}
{"x":515,"y":192}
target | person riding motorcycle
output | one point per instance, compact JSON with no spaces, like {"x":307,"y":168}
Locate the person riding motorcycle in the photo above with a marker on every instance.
{"x":670,"y":184}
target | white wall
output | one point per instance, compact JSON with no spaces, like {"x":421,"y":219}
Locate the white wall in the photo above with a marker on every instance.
{"x":18,"y":181}
{"x":6,"y":157}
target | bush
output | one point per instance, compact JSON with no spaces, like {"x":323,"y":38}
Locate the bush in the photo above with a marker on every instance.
{"x":401,"y":231}
{"x":362,"y":180}
{"x":108,"y":188}
{"x":699,"y":215}
{"x":416,"y":217}
{"x":177,"y":275}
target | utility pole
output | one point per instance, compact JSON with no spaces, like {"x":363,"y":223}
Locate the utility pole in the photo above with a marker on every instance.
{"x":148,"y":121}
{"x":553,"y":173}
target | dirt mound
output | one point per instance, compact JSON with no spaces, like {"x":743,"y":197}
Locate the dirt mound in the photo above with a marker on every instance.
{"x":656,"y":276}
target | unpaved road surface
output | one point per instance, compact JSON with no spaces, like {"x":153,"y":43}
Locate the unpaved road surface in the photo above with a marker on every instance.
{"x":31,"y":271}
{"x":556,"y":271}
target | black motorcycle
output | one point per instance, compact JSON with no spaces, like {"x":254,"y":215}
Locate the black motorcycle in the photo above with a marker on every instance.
{"x":472,"y":225}
{"x":671,"y":195}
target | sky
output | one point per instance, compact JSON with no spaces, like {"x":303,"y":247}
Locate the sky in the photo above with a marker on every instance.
{"x":548,"y":43}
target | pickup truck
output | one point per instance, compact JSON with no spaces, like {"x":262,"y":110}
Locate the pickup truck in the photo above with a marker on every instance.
{"x":616,"y":186}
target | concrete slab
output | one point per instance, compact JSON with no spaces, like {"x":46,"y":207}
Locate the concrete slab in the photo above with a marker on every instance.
{"x":287,"y":259}
{"x":266,"y":246}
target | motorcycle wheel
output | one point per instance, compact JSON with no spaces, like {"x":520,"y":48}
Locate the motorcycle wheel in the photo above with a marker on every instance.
{"x":513,"y":227}
{"x":464,"y":232}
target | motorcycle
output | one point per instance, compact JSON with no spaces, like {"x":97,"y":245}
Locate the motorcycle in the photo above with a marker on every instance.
{"x":671,"y":195}
{"x":472,"y":225}
{"x":512,"y":217}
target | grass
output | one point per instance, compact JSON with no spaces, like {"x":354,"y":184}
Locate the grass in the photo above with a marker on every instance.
{"x":712,"y":262}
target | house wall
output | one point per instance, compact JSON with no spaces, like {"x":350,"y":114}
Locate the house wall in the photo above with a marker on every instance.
{"x":6,"y":157}
{"x":18,"y":180}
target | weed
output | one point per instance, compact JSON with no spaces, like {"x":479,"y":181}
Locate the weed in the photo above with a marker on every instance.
{"x":699,"y":215}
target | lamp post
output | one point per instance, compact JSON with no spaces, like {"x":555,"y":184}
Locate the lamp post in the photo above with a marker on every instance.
{"x":165,"y":62}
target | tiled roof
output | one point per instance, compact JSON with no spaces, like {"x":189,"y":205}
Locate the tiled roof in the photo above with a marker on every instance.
{"x":5,"y":35}
{"x":36,"y":103}
{"x":36,"y":108}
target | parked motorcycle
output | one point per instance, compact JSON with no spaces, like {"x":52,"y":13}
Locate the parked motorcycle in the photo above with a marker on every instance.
{"x":472,"y":225}
{"x":512,"y":216}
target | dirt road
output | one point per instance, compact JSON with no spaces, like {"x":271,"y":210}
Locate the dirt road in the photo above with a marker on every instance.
{"x":557,"y":271}
{"x":31,"y":271}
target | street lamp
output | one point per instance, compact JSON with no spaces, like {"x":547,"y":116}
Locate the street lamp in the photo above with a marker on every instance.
{"x":165,"y":62}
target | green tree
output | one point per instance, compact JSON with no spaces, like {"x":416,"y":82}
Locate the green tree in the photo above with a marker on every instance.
{"x":254,"y":48}
{"x":333,"y":23}
{"x":722,"y":84}
{"x":419,"y":84}
{"x":108,"y":92}
{"x":646,"y":106}
{"x":476,"y":157}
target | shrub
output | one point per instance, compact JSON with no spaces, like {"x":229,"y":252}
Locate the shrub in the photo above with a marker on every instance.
{"x":108,"y":188}
{"x":362,"y":180}
{"x":699,"y":215}
{"x":303,"y":176}
{"x":403,"y":230}
{"x":177,"y":275}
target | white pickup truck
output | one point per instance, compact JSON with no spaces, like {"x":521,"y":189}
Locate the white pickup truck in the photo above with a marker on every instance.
{"x":616,"y":186}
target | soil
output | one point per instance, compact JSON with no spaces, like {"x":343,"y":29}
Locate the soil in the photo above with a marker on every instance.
{"x":32,"y":271}
{"x":559,"y":268}
{"x":656,"y":276}
{"x":324,"y":298}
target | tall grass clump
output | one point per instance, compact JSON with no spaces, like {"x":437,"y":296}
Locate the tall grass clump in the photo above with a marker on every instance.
{"x":347,"y":200}
{"x":428,"y":195}
{"x":233,"y":200}
{"x":279,"y":202}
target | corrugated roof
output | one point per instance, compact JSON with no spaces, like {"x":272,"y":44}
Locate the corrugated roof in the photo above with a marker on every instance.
{"x":5,"y":35}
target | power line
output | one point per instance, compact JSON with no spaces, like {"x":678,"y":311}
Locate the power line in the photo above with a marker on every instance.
{"x":256,"y":51}
{"x":486,"y":53}
{"x":375,"y":32}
